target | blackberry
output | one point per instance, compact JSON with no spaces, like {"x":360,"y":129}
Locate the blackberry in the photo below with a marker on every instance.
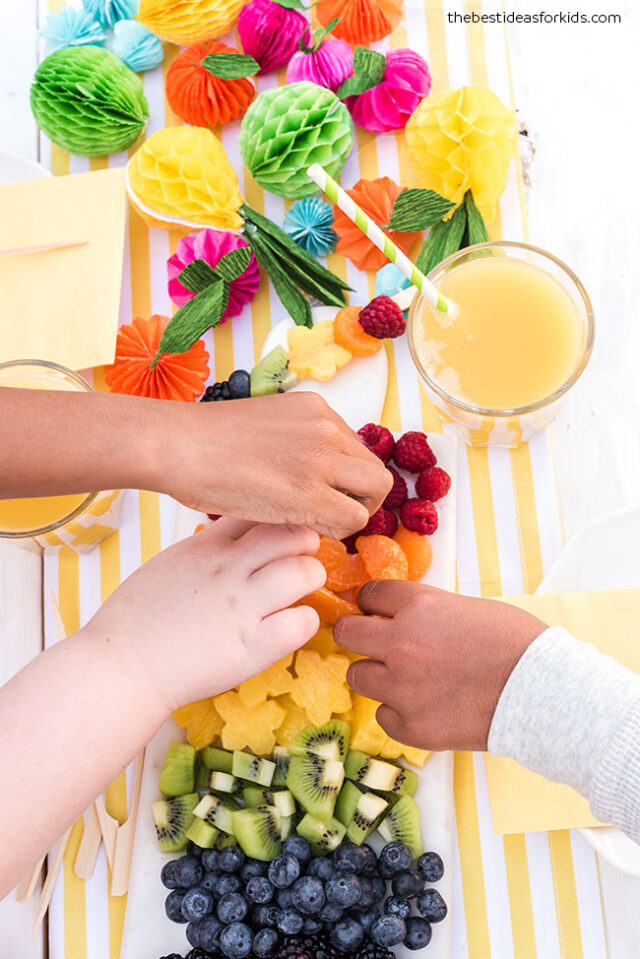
{"x":237,"y":387}
{"x":198,"y":954}
{"x":371,"y":950}
{"x":216,"y":393}
{"x":308,"y":947}
{"x":172,"y":955}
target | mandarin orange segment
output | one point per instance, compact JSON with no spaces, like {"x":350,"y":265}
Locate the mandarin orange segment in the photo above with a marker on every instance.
{"x":294,"y":722}
{"x":350,"y":574}
{"x":383,"y":557}
{"x":320,"y":687}
{"x":253,"y":729}
{"x":349,"y":333}
{"x":331,"y":552}
{"x":328,"y":605}
{"x":201,"y":722}
{"x":418,"y":551}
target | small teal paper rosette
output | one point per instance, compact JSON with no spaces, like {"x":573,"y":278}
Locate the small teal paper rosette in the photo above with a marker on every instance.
{"x":108,"y":12}
{"x":70,"y":28}
{"x":136,"y":46}
{"x":309,"y":222}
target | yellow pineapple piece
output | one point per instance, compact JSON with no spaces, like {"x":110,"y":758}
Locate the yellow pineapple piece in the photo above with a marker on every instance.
{"x":294,"y":722}
{"x":314,"y":353}
{"x":320,"y":686}
{"x":245,"y":727}
{"x":201,"y":721}
{"x":366,"y":733}
{"x":390,"y":749}
{"x":323,"y":642}
{"x":417,"y":757}
{"x":274,"y":681}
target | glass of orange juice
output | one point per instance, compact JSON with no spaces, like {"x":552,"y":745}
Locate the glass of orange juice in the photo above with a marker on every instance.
{"x":498,"y":367}
{"x":38,"y":515}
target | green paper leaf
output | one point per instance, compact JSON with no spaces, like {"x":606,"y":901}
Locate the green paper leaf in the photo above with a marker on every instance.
{"x":368,"y":71}
{"x":193,"y":319}
{"x":291,"y":4}
{"x":197,"y":276}
{"x":296,"y":305}
{"x":318,"y":35}
{"x":230,"y":66}
{"x":418,"y":209}
{"x":476,"y":231}
{"x":444,"y":239}
{"x":233,"y":264}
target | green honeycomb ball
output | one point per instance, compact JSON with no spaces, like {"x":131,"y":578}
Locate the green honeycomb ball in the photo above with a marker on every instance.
{"x":288,"y":128}
{"x":88,"y":102}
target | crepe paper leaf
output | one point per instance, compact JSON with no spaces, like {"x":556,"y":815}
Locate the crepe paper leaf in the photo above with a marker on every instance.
{"x":197,"y":276}
{"x":233,"y":264}
{"x":444,"y":239}
{"x":317,"y":36}
{"x":201,"y":98}
{"x":210,"y":246}
{"x":291,"y":4}
{"x":230,"y":66}
{"x":193,"y":319}
{"x":476,"y":231}
{"x":417,"y":209}
{"x":306,"y":282}
{"x":368,"y":71}
{"x":388,"y":105}
{"x":296,"y":305}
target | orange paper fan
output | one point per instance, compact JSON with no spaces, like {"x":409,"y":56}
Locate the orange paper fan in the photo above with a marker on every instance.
{"x":360,"y":21}
{"x":176,"y":376}
{"x":200,"y":98}
{"x":376,"y":197}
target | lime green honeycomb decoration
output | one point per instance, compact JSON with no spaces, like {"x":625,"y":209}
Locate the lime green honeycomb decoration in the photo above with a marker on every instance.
{"x":88,"y":102}
{"x":288,"y":128}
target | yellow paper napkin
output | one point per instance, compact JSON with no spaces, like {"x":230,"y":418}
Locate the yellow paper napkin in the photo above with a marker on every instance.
{"x":60,"y":297}
{"x":522,"y":801}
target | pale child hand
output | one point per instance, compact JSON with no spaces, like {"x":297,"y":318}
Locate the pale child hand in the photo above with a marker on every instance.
{"x":438,"y":662}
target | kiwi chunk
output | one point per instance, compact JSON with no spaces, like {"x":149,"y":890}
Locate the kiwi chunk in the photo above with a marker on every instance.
{"x":347,"y":802}
{"x":272,"y":374}
{"x":281,"y":759}
{"x":253,"y":768}
{"x":369,"y":811}
{"x":219,"y":759}
{"x":403,"y":823}
{"x":323,"y":835}
{"x":330,"y":741}
{"x":203,"y":834}
{"x":258,"y":832}
{"x":216,"y":811}
{"x":178,"y":770}
{"x":224,"y":782}
{"x":286,"y":826}
{"x":315,"y":783}
{"x":173,"y":817}
{"x":280,"y":798}
{"x":379,"y":775}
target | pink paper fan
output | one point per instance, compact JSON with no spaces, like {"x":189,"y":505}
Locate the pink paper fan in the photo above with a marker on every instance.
{"x":210,"y":245}
{"x":389,"y":105}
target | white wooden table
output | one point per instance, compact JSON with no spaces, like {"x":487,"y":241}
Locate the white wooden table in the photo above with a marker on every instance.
{"x":577,"y":90}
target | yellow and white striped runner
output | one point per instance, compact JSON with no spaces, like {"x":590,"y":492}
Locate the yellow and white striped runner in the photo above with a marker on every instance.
{"x":522,"y":896}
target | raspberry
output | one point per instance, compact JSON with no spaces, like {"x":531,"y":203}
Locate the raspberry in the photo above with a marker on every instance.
{"x":413,"y":453}
{"x":350,"y":542}
{"x":378,"y":439}
{"x":433,"y":483}
{"x":382,"y":318}
{"x":383,"y":523}
{"x":420,"y":516}
{"x":398,"y":492}
{"x":213,"y":516}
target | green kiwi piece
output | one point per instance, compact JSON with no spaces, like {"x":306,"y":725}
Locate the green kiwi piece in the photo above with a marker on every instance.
{"x":216,"y":811}
{"x":280,"y":798}
{"x":219,"y":759}
{"x":286,"y":826}
{"x":224,"y":782}
{"x":403,"y":823}
{"x":315,"y":783}
{"x":172,"y":818}
{"x":258,"y":832}
{"x":281,"y":759}
{"x":272,"y":374}
{"x":202,"y":777}
{"x":323,"y":835}
{"x":379,"y":775}
{"x":330,"y":741}
{"x":347,"y":802}
{"x":368,"y":813}
{"x":178,"y":770}
{"x":203,"y":834}
{"x":253,"y":768}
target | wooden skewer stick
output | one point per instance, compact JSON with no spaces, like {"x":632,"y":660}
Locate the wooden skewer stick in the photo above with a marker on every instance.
{"x":50,"y":881}
{"x":28,"y":882}
{"x":126,"y":835}
{"x":108,"y":828}
{"x":89,"y":845}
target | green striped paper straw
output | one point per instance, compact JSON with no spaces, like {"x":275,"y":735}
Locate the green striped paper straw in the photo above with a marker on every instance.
{"x":357,"y":215}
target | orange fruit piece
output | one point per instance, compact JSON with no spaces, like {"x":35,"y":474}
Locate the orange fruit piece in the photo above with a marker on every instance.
{"x":320,"y":687}
{"x":349,"y":333}
{"x":344,"y":570}
{"x":201,"y":722}
{"x":253,"y":729}
{"x":328,"y":605}
{"x":418,"y":551}
{"x":383,"y":557}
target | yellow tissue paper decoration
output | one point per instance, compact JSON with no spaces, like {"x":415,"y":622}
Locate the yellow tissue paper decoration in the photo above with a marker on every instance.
{"x":463,"y":140}
{"x":181,"y":176}
{"x":314,"y":353}
{"x":188,"y":21}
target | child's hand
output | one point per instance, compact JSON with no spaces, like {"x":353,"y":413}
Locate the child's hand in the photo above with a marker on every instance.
{"x":438,"y":663}
{"x":211,"y":611}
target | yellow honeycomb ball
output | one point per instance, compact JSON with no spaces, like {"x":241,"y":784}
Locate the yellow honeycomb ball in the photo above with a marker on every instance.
{"x":463,"y":140}
{"x":188,"y":21}
{"x":181,"y":176}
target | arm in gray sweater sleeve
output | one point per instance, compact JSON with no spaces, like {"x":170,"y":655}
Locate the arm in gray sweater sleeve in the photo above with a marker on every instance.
{"x":573,"y":715}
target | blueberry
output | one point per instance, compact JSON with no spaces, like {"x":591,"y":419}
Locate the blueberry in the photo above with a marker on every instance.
{"x":289,"y":922}
{"x":331,"y":912}
{"x":227,"y":884}
{"x":188,"y":872}
{"x":193,"y":850}
{"x":209,"y":881}
{"x":379,"y":888}
{"x":430,"y":866}
{"x":236,"y":939}
{"x":396,"y":857}
{"x":370,"y":861}
{"x":209,"y":933}
{"x":284,"y":870}
{"x":265,"y":916}
{"x":210,"y":860}
{"x":231,"y":908}
{"x":343,"y":888}
{"x":366,"y":918}
{"x":367,"y":893}
{"x":323,"y":868}
{"x":239,"y":385}
{"x":349,"y":857}
{"x":259,"y":889}
{"x":299,"y":847}
{"x":168,"y":875}
{"x":388,"y":931}
{"x":265,"y":943}
{"x":231,"y":859}
{"x":312,"y":926}
{"x":251,"y":868}
{"x":192,"y":934}
{"x":431,"y":905}
{"x":394,"y":906}
{"x":418,"y":933}
{"x":196,"y":904}
{"x":172,"y":905}
{"x":307,"y":895}
{"x":283,"y":898}
{"x":407,"y":885}
{"x":347,"y":935}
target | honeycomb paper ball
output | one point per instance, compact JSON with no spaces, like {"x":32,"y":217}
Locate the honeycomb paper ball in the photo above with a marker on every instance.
{"x":88,"y":102}
{"x":188,"y":21}
{"x":463,"y":140}
{"x":270,"y":32}
{"x":181,"y":176}
{"x":360,"y":21}
{"x":286,"y":129}
{"x":200,"y":98}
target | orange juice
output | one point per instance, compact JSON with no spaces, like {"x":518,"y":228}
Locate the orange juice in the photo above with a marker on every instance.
{"x":516,"y":337}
